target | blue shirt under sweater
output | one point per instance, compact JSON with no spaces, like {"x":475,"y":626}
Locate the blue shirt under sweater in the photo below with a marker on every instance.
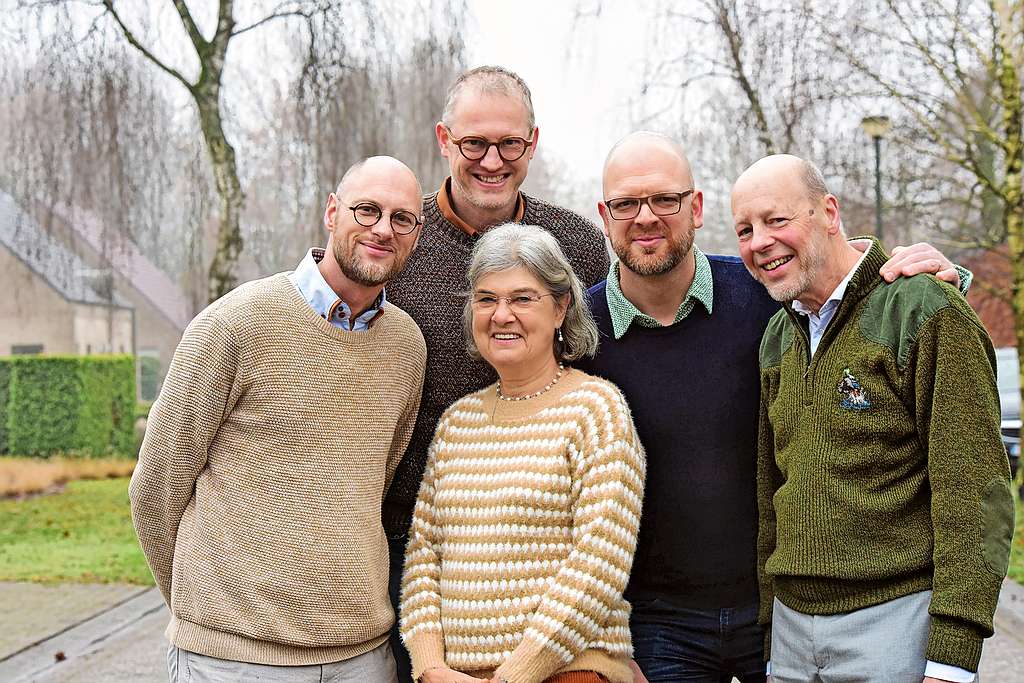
{"x":693,"y":390}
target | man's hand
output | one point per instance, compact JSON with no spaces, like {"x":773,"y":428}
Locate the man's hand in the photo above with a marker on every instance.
{"x":442,"y":674}
{"x":919,"y":258}
{"x":638,"y":675}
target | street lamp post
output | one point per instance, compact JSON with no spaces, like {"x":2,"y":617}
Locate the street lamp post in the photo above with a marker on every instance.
{"x":877,"y":127}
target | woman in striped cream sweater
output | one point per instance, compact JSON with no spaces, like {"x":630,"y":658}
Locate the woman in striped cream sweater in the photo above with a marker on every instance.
{"x":524,"y":530}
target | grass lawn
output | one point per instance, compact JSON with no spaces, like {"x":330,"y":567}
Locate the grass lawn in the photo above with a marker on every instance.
{"x":83,"y":534}
{"x":1017,"y":549}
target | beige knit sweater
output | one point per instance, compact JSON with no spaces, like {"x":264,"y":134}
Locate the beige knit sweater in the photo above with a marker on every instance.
{"x":523,"y":536}
{"x":257,"y":494}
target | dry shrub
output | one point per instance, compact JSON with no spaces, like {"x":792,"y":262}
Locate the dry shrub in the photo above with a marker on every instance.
{"x":21,"y":476}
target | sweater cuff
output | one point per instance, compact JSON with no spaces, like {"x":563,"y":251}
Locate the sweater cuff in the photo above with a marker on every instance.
{"x":954,"y":642}
{"x":426,"y":651}
{"x":530,"y":661}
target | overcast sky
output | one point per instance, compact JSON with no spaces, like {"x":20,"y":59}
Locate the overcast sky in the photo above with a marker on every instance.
{"x":580,"y":80}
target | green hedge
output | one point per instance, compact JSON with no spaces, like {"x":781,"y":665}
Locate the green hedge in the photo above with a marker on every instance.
{"x":5,"y":390}
{"x":64,"y":404}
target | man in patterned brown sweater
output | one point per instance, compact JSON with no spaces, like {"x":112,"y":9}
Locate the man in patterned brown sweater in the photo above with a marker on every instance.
{"x":488,"y":134}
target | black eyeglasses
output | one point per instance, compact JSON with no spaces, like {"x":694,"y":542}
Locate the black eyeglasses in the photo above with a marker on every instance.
{"x":368,"y":214}
{"x":475,"y":148}
{"x":661,"y":204}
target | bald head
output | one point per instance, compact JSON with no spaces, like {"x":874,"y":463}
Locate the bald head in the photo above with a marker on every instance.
{"x":643,"y":151}
{"x":381,"y":167}
{"x":787,"y":168}
{"x":651,"y":208}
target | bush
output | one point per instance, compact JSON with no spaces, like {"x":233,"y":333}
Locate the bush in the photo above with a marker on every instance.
{"x":66,"y":404}
{"x":142,"y":409}
{"x":5,"y":379}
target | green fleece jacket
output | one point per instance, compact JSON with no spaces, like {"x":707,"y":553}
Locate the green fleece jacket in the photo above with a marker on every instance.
{"x":881,"y":472}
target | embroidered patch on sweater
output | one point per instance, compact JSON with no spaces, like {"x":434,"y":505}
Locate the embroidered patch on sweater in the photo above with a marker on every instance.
{"x":855,"y":397}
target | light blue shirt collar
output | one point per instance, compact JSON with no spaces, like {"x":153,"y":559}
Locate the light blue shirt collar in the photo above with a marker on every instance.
{"x":325,"y":301}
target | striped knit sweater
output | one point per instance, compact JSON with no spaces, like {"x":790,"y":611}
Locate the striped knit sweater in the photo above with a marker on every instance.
{"x":523,"y":536}
{"x":257,"y":494}
{"x":429,"y":289}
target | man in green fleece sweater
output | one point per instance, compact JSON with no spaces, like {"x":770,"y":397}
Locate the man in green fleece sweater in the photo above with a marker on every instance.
{"x":883,"y":487}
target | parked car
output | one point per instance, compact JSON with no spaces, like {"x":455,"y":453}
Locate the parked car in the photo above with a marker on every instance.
{"x":1008,"y":379}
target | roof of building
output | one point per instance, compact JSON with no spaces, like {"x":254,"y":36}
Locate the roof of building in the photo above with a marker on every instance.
{"x":52,"y":261}
{"x":124,"y":256}
{"x":992,"y":274}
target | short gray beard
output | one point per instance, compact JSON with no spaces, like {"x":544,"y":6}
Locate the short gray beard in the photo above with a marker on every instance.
{"x":811,"y":262}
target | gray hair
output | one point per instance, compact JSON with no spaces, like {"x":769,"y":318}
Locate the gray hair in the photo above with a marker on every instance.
{"x":513,"y":245}
{"x":490,"y":80}
{"x":813,"y":180}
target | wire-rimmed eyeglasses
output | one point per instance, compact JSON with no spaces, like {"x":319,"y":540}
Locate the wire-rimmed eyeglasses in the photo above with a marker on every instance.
{"x":368,"y":214}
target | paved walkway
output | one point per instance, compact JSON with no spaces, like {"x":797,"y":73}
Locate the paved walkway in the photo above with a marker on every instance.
{"x":89,"y":633}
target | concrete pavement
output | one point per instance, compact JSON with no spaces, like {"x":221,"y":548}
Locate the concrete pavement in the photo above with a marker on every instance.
{"x":114,"y":634}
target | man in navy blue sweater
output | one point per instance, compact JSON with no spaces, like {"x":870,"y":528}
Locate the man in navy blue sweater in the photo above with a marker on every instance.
{"x":679,"y":335}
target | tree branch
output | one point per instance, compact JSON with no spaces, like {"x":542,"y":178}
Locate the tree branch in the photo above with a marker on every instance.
{"x":134,"y":42}
{"x":189,"y":24}
{"x":269,"y":18}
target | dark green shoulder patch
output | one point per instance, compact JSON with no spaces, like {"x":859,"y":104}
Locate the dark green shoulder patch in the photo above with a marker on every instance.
{"x":894,"y":313}
{"x":777,"y":339}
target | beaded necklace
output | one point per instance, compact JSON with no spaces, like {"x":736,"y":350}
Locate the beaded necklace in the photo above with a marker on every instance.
{"x":503,"y":397}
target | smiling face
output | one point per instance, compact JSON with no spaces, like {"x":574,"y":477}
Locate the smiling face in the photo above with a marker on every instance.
{"x":649,"y":244}
{"x":489,"y":186}
{"x":516,"y":337}
{"x":783,"y":233}
{"x":370,"y":256}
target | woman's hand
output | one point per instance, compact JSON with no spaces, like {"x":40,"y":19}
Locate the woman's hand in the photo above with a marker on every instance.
{"x":638,"y":675}
{"x":442,"y":674}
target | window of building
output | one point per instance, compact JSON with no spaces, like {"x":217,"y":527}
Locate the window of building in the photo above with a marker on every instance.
{"x":26,"y":349}
{"x":149,"y":374}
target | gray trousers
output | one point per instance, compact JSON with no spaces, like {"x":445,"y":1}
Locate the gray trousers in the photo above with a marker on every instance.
{"x":884,"y":643}
{"x":374,"y":666}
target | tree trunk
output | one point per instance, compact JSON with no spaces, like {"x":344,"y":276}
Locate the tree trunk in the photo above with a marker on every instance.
{"x":1013,"y":129}
{"x":222,"y":275}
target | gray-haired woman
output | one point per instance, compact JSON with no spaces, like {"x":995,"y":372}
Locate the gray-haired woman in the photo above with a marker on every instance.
{"x":525,"y":526}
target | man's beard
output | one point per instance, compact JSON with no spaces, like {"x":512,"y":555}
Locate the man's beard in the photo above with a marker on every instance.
{"x":809,"y":262}
{"x":648,"y":265}
{"x":362,"y":272}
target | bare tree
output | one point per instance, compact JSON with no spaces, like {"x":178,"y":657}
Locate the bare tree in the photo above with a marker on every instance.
{"x":954,"y":69}
{"x":344,"y":106}
{"x":333,"y":38}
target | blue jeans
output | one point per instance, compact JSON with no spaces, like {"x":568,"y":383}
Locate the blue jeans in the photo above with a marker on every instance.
{"x":673,"y":643}
{"x":396,"y":554}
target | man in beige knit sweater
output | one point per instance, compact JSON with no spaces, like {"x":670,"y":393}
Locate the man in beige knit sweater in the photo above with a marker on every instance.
{"x":285,"y":411}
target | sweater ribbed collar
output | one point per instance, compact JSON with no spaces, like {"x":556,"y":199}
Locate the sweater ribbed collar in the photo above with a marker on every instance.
{"x":516,"y":411}
{"x":368,"y":338}
{"x":444,"y":203}
{"x":865,"y":278}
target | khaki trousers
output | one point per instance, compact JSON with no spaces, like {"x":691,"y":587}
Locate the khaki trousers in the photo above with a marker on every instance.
{"x":375,"y":666}
{"x":883,"y":643}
